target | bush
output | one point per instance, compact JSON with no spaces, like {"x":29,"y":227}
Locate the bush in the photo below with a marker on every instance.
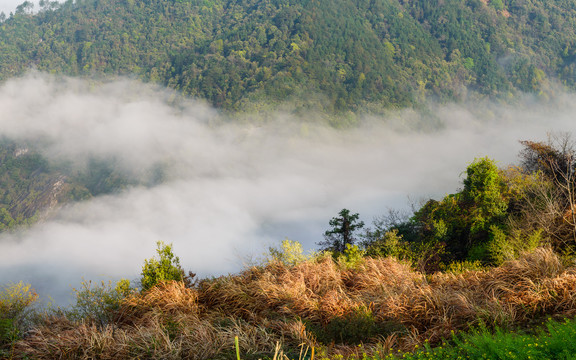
{"x":390,"y":244}
{"x":425,"y":256}
{"x":16,"y":301}
{"x":98,"y":303}
{"x":502,"y":248}
{"x":290,"y":253}
{"x":351,"y":257}
{"x":165,"y":268}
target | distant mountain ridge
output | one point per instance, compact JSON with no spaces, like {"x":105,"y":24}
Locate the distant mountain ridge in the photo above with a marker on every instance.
{"x":334,"y":55}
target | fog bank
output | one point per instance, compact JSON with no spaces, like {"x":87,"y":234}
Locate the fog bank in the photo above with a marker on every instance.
{"x":231,"y":189}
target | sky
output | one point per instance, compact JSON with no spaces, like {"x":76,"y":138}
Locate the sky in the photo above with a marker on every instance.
{"x":8,"y":6}
{"x":232,"y":189}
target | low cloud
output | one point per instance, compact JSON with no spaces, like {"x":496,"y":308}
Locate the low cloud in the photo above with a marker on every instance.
{"x":231,"y":189}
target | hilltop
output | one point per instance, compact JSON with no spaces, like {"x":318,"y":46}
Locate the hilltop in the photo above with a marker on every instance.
{"x":335,"y":56}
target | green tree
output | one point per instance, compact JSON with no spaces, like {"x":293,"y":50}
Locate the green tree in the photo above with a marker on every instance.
{"x":497,"y":4}
{"x":165,"y":268}
{"x":484,"y":192}
{"x":466,"y":222}
{"x":342,"y":232}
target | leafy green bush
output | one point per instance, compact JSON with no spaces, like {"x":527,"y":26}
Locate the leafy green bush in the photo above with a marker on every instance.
{"x":98,"y":303}
{"x":462,"y":223}
{"x":289,"y":253}
{"x":16,"y":302}
{"x":165,"y":268}
{"x":351,"y":257}
{"x":390,"y":244}
{"x":425,"y":256}
{"x":502,"y":247}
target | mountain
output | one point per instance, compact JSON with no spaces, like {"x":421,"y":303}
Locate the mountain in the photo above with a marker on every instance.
{"x":332,"y":55}
{"x":32,"y":187}
{"x":29,"y":187}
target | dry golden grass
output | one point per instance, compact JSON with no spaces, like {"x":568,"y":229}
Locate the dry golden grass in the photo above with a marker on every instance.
{"x":265,"y":305}
{"x":163,"y":323}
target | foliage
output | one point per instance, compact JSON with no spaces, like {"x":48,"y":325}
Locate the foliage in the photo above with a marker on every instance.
{"x":354,"y":328}
{"x":389,"y":244}
{"x":342,"y":232}
{"x":555,"y":341}
{"x":16,"y":301}
{"x":352,"y":257}
{"x":460,"y":267}
{"x":496,"y":216}
{"x":289,"y":253}
{"x":423,"y":255}
{"x":466,"y":221}
{"x":484,"y":188}
{"x":504,"y":247}
{"x":99,"y":303}
{"x":550,"y":199}
{"x":336,"y":57}
{"x":165,"y":268}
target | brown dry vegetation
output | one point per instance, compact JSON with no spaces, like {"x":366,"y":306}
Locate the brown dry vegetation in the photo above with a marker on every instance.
{"x":383,"y":300}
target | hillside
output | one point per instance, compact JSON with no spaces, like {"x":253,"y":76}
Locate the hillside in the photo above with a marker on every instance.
{"x":29,"y":187}
{"x":343,"y":311}
{"x":32,"y":187}
{"x":330,"y":55}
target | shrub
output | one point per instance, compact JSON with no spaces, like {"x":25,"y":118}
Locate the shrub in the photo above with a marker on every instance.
{"x":165,"y":268}
{"x":351,"y":257}
{"x":290,"y":253}
{"x":15,"y":308}
{"x":390,"y":244}
{"x":462,"y":223}
{"x":502,"y":248}
{"x":98,"y":303}
{"x":425,"y":256}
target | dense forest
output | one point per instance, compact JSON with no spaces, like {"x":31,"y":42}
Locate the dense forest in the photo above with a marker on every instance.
{"x":335,"y":56}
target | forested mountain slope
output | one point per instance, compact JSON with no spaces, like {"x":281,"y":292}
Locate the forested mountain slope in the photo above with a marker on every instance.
{"x":335,"y":55}
{"x":32,"y":187}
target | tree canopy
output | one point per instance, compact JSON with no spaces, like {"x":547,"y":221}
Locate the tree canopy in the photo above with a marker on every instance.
{"x":335,"y":56}
{"x":342,"y":233}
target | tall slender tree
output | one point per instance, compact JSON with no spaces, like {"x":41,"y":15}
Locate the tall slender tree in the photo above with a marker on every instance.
{"x":342,"y":232}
